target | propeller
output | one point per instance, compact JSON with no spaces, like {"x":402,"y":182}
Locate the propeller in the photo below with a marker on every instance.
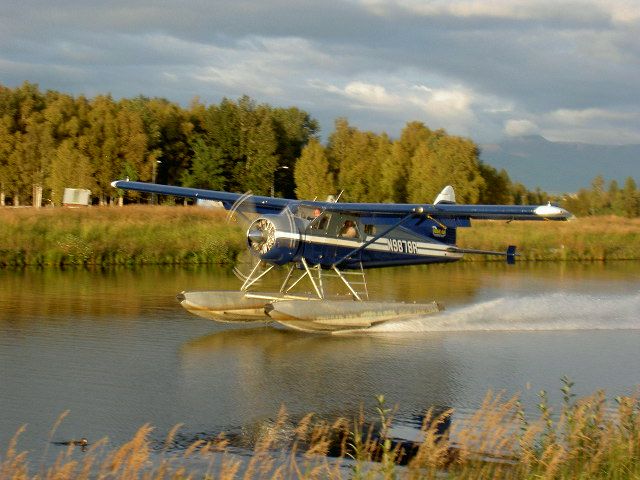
{"x":242,"y":213}
{"x":263,"y":236}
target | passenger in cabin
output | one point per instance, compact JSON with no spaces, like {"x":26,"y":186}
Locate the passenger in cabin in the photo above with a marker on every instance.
{"x":316,"y":213}
{"x":348,"y":230}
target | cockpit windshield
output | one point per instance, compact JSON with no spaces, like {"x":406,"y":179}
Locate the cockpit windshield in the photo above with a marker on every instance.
{"x":317,"y":218}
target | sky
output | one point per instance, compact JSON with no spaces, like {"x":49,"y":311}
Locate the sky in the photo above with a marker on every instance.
{"x":566,"y":70}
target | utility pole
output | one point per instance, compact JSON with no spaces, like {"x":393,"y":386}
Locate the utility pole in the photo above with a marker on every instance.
{"x":273,"y":179}
{"x":153,"y":179}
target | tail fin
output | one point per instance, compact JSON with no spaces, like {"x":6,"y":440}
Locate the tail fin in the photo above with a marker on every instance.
{"x":447,"y":195}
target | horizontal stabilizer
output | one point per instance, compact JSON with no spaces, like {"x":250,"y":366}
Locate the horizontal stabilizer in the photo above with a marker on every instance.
{"x":510,"y":253}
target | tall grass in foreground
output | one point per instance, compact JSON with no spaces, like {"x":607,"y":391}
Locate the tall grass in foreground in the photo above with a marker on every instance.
{"x":587,"y":439}
{"x":132,"y":235}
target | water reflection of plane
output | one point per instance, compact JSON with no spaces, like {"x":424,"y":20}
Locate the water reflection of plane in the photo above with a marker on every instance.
{"x":250,"y":373}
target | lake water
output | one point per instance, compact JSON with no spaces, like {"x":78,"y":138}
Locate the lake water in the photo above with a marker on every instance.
{"x":116,"y":349}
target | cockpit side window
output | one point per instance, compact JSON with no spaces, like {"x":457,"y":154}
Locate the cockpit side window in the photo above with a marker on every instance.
{"x":323,"y":222}
{"x":349,"y":229}
{"x":309,"y":213}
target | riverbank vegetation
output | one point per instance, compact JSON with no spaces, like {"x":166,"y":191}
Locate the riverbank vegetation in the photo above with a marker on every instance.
{"x":50,"y":141}
{"x":590,"y":437}
{"x":132,"y":235}
{"x":598,"y":238}
{"x":147,"y":234}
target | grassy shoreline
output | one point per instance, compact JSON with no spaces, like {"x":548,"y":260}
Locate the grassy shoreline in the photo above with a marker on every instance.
{"x":583,"y":239}
{"x":164,"y":235}
{"x":133,"y":235}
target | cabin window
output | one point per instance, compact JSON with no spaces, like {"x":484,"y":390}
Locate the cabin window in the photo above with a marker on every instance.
{"x":309,"y":213}
{"x":349,"y":229}
{"x":370,"y":229}
{"x":322,"y":222}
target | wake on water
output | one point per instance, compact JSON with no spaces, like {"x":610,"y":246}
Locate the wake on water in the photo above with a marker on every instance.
{"x":557,"y":311}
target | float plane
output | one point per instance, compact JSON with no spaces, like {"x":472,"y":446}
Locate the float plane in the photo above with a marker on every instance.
{"x":319,"y":240}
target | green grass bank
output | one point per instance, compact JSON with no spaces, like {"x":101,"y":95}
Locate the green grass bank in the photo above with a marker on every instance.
{"x":582,"y":239}
{"x":139,"y":235}
{"x":131,"y":235}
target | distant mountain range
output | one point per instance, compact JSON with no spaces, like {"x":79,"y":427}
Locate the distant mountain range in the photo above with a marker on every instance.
{"x":558,"y":167}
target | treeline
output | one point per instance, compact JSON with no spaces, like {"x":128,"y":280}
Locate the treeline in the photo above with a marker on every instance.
{"x":603,"y":199}
{"x":372,"y":167}
{"x":51,"y":140}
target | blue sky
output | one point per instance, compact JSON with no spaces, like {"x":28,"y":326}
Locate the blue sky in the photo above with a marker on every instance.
{"x":567,"y":70}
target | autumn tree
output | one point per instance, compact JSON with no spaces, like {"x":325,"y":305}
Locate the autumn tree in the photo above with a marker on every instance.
{"x":445,"y":160}
{"x":599,"y":200}
{"x":497,"y":188}
{"x":70,"y":168}
{"x":312,"y":176}
{"x":6,"y":148}
{"x":259,"y":147}
{"x":354,"y":157}
{"x":630,"y":198}
{"x":207,"y":167}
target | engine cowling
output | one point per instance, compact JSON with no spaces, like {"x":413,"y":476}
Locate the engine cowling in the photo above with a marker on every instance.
{"x":274,"y":238}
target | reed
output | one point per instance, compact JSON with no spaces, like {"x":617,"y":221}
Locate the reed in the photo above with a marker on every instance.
{"x":588,"y":438}
{"x":132,"y":235}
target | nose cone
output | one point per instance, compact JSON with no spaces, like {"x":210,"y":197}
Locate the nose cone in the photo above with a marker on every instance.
{"x":255,"y":235}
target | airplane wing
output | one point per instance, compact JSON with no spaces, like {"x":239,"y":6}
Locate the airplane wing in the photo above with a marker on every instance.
{"x":461,"y":211}
{"x":261,"y":204}
{"x":443,"y":210}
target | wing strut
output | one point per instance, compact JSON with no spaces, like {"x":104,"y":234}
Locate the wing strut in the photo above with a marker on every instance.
{"x":376,"y":237}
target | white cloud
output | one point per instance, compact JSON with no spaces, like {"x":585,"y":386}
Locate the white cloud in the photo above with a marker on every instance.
{"x":623,"y":11}
{"x":617,"y":11}
{"x":586,"y":116}
{"x":256,"y":65}
{"x":592,"y":125}
{"x":369,"y":94}
{"x":589,"y":125}
{"x":443,"y":102}
{"x":515,"y":128}
{"x":452,"y":108}
{"x":593,"y":134}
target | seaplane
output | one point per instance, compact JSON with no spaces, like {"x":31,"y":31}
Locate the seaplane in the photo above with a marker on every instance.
{"x":319,"y":242}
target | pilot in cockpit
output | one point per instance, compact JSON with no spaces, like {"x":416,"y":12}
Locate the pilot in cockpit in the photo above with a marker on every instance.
{"x":318,"y":222}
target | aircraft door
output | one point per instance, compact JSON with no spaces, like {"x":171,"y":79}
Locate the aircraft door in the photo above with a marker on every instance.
{"x":348,"y":235}
{"x":316,"y":239}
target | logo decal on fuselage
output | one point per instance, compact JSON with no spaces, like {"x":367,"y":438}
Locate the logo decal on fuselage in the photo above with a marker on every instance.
{"x":439,"y":231}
